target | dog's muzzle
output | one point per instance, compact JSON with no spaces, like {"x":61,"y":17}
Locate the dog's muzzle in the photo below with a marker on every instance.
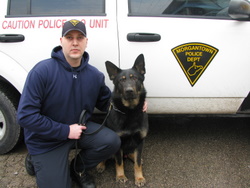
{"x":130,"y":93}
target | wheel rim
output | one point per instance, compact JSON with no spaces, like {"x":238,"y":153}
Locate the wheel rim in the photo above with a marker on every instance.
{"x":2,"y":126}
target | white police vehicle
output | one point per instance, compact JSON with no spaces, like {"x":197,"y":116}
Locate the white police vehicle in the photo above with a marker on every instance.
{"x":196,"y":51}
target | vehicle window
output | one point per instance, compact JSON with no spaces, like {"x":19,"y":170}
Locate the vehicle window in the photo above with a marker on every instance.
{"x":200,"y":8}
{"x":56,"y":7}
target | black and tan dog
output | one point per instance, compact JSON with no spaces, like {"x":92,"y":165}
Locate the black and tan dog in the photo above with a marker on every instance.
{"x":127,"y":118}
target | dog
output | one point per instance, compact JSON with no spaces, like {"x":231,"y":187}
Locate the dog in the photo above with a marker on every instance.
{"x":127,"y":118}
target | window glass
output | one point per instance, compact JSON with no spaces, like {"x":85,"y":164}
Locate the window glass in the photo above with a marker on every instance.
{"x":56,"y":7}
{"x":17,"y":7}
{"x":214,"y":8}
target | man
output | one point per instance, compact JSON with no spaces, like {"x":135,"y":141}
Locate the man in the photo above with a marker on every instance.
{"x":55,"y":93}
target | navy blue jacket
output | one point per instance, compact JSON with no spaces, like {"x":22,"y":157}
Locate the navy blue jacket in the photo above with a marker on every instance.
{"x":54,"y":96}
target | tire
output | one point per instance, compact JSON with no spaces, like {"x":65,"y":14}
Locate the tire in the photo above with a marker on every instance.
{"x":10,"y":131}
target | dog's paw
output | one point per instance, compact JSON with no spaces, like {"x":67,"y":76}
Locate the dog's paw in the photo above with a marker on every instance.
{"x":121,"y":179}
{"x":140,"y":181}
{"x":100,"y":167}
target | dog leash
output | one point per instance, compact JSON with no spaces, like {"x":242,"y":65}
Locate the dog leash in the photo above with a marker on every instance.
{"x":116,"y":109}
{"x":82,"y":121}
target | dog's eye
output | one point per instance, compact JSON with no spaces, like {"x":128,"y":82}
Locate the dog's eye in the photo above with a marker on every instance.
{"x":123,"y":79}
{"x":132,"y":77}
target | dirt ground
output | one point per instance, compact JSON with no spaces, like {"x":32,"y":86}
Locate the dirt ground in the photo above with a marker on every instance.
{"x":178,"y":153}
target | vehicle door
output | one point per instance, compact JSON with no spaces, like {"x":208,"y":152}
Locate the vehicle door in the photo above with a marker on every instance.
{"x":197,"y":58}
{"x":30,"y":29}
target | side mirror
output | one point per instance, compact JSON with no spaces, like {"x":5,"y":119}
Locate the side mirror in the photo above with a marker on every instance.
{"x":239,"y":9}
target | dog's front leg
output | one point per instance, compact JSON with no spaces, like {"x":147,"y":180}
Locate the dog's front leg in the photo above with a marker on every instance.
{"x":139,"y":179}
{"x":120,"y":175}
{"x":101,"y":167}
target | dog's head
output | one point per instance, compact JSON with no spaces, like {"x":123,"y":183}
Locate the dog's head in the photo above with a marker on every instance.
{"x":128,"y":83}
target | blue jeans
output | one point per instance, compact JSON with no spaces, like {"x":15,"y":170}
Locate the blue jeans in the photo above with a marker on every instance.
{"x":52,"y":168}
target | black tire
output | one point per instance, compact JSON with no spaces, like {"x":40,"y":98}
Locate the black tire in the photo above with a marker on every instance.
{"x":10,"y":131}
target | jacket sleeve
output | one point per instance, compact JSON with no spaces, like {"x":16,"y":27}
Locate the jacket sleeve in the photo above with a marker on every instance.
{"x":29,"y":110}
{"x":103,"y":101}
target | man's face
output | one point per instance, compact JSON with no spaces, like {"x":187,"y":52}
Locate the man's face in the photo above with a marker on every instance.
{"x":73,"y":44}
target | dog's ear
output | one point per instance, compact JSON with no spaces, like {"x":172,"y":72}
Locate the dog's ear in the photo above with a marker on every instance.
{"x":140,"y":64}
{"x":112,"y":70}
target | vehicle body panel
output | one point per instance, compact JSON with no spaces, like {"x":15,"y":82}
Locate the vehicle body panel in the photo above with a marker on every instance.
{"x":221,"y":86}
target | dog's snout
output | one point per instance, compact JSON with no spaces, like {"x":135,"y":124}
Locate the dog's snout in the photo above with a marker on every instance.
{"x":129,"y":90}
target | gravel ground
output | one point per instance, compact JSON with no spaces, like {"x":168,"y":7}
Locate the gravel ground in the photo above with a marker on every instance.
{"x":178,"y":153}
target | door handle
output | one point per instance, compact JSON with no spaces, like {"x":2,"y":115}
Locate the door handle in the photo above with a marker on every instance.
{"x":143,"y":37}
{"x":11,"y":38}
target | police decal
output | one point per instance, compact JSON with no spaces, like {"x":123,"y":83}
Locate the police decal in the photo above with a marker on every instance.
{"x":194,"y":58}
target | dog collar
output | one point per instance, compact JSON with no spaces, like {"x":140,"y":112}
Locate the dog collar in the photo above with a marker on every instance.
{"x":116,"y":109}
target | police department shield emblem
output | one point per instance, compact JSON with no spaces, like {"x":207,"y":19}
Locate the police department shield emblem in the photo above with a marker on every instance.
{"x":194,"y":58}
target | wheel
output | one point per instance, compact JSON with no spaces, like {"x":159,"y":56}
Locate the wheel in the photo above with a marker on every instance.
{"x":10,"y":131}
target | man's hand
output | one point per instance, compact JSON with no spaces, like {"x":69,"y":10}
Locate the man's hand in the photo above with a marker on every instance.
{"x":75,"y":131}
{"x":145,"y":106}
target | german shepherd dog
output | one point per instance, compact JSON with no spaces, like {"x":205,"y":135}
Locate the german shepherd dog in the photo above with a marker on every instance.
{"x":127,"y":118}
